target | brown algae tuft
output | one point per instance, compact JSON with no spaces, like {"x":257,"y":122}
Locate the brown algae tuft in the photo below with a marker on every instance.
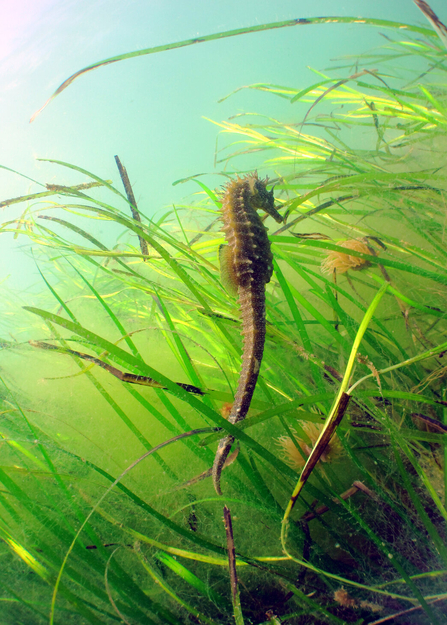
{"x":340,"y":262}
{"x":297,"y":460}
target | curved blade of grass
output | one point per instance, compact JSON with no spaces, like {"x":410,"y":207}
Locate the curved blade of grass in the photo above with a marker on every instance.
{"x":232,"y":33}
{"x":130,"y":359}
{"x":301,"y":93}
{"x":400,"y":395}
{"x":434,"y":20}
{"x":76,"y":191}
{"x":336,"y":413}
{"x":53,"y":191}
{"x":160,"y":582}
{"x":204,"y":589}
{"x":339,"y":83}
{"x":408,"y":300}
{"x":21,"y":175}
{"x":428,"y":354}
{"x":87,"y":253}
{"x":77,"y":230}
{"x":209,"y":193}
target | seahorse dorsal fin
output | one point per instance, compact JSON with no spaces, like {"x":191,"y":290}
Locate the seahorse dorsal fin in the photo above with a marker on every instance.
{"x":227,"y":276}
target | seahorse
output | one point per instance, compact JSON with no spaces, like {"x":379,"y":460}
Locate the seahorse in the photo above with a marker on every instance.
{"x":246,"y":267}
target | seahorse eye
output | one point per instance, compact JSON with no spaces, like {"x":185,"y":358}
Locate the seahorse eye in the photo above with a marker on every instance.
{"x":260,"y":191}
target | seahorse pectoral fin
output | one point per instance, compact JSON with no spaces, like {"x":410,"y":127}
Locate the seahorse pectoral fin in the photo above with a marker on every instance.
{"x":227,"y":276}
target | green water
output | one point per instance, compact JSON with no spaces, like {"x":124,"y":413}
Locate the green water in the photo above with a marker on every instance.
{"x":96,"y":527}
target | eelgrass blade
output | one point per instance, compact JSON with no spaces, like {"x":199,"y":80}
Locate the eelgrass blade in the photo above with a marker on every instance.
{"x":434,"y":20}
{"x":52,"y":190}
{"x":132,"y":201}
{"x":337,"y":410}
{"x":158,"y":578}
{"x":232,"y":33}
{"x":235,"y":597}
{"x":205,"y":589}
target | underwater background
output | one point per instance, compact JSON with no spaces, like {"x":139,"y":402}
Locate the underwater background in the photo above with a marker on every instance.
{"x":347,"y":118}
{"x":150,"y":110}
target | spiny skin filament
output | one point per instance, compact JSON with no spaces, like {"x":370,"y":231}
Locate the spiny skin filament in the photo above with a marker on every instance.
{"x":248,"y":266}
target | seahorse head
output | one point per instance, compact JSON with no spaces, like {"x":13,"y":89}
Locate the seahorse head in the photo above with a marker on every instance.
{"x":261,"y":198}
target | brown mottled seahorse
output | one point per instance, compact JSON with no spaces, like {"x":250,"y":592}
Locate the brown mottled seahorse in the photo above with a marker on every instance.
{"x":246,"y":267}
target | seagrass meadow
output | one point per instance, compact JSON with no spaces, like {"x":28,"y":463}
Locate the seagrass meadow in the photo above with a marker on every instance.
{"x":117,"y":376}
